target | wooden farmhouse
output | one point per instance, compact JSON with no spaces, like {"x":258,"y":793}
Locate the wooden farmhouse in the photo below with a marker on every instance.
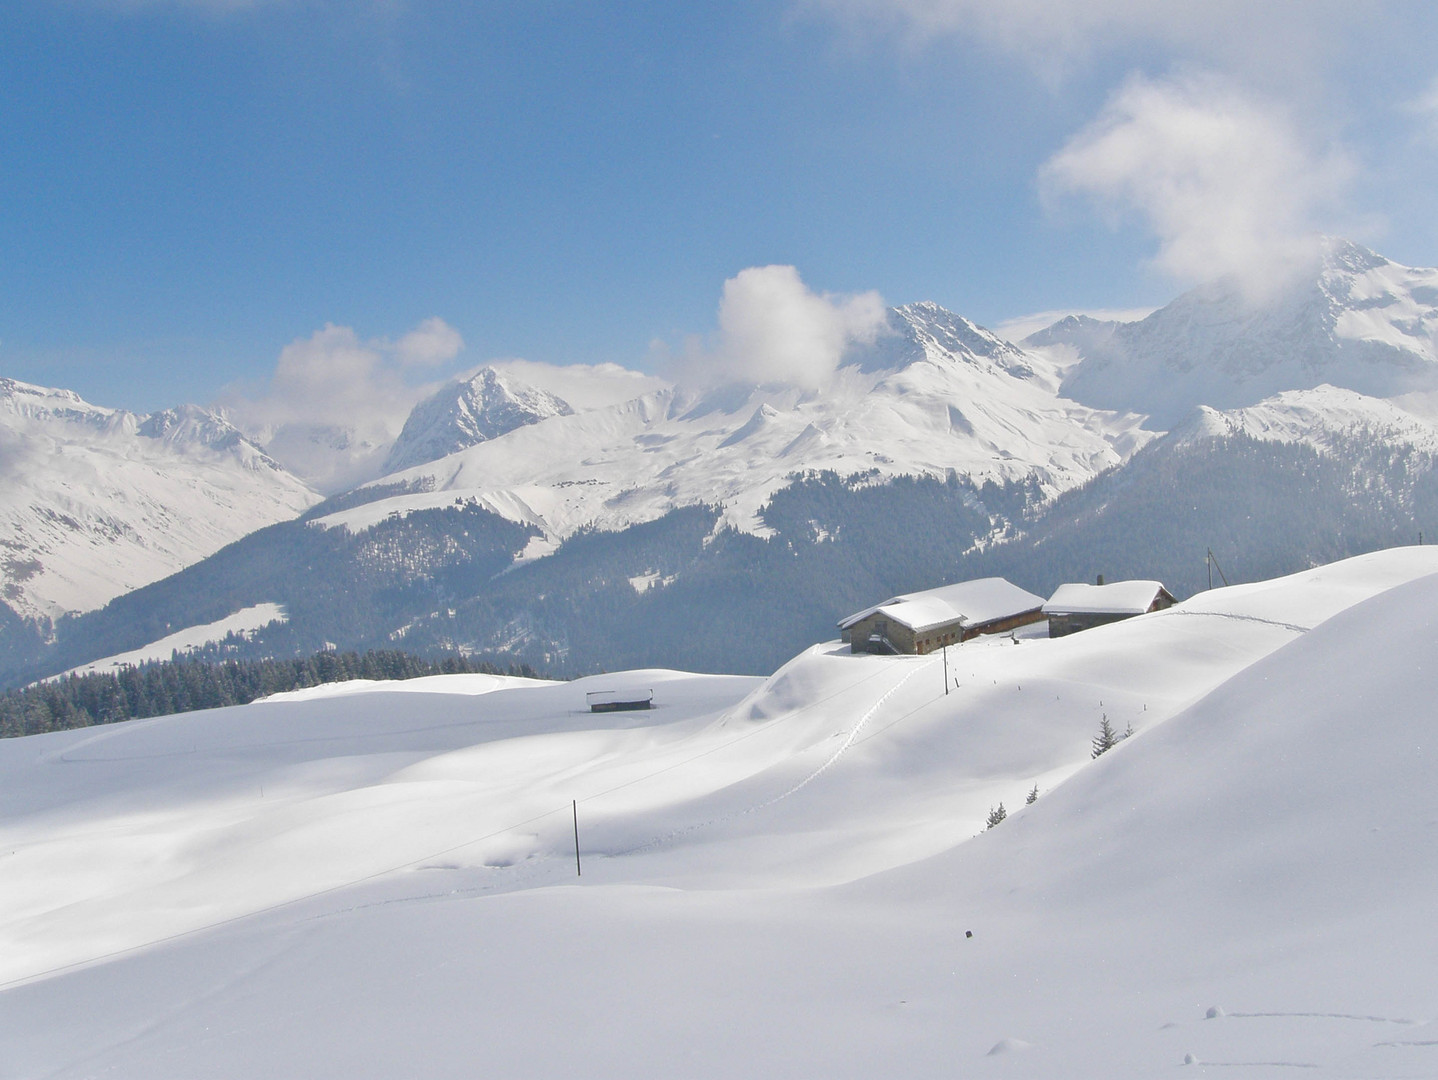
{"x":1077,"y":606}
{"x":921,"y":622}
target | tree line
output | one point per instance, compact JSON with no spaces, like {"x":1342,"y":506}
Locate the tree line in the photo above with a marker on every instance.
{"x":182,"y":684}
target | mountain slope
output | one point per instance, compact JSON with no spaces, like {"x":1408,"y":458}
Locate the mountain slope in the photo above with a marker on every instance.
{"x":1360,"y":321}
{"x":95,"y":502}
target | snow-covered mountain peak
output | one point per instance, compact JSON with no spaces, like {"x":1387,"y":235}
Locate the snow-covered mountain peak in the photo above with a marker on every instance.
{"x":1357,"y":320}
{"x":469,"y":411}
{"x":190,"y":430}
{"x":954,"y":333}
{"x":1069,"y":329}
{"x":926,"y":332}
{"x":1344,"y":256}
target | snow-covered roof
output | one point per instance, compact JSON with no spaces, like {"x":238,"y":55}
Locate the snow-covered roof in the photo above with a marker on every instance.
{"x":973,"y":603}
{"x":1118,"y":598}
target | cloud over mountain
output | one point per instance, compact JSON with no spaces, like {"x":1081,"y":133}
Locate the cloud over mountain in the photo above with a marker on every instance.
{"x":337,"y":401}
{"x":1226,"y":182}
{"x":774,"y":329}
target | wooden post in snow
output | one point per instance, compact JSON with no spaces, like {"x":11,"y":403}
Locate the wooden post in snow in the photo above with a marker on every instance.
{"x":578,"y":870}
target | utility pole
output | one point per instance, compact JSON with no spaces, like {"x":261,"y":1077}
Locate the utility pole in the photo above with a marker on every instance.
{"x":578,"y":870}
{"x":946,"y":671}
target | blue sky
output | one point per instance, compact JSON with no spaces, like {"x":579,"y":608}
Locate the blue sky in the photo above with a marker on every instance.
{"x":189,"y":186}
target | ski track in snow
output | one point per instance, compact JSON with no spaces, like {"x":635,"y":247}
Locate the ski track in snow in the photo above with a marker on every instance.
{"x":1169,"y":612}
{"x":1315,"y":1016}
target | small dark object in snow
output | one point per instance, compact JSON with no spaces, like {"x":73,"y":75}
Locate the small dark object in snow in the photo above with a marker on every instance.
{"x":618,"y":700}
{"x":968,"y":933}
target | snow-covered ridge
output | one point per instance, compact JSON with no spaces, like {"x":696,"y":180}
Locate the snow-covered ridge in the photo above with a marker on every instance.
{"x":1358,"y":321}
{"x":935,"y":395}
{"x":95,"y":502}
{"x":1326,"y":418}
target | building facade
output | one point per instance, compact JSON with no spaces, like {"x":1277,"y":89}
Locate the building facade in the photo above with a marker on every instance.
{"x":1075,"y":606}
{"x":918,"y":623}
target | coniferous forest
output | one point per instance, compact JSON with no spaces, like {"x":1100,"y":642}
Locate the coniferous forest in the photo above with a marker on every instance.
{"x":184,"y":684}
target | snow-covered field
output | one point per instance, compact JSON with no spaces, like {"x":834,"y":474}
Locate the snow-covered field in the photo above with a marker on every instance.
{"x":779,"y":876}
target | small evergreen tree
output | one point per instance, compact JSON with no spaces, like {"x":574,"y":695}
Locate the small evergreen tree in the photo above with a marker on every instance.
{"x":996,"y":815}
{"x":1033,"y":796}
{"x":1106,"y":739}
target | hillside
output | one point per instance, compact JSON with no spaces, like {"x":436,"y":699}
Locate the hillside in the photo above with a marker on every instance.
{"x":376,"y":879}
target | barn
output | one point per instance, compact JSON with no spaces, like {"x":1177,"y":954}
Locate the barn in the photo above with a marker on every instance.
{"x":1077,"y":606}
{"x":920,"y":622}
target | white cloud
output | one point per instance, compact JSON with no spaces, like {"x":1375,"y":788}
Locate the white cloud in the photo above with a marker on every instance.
{"x":336,"y":401}
{"x":1425,"y":107}
{"x":773,"y":329}
{"x":432,"y":342}
{"x":1224,"y":181}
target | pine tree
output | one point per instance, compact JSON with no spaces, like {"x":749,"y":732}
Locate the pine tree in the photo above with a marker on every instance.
{"x":1106,"y":739}
{"x":996,"y":815}
{"x":1033,"y":796}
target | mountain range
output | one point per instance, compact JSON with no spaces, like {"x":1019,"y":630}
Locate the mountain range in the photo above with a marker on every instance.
{"x":95,"y":502}
{"x":934,"y":395}
{"x":937,"y":450}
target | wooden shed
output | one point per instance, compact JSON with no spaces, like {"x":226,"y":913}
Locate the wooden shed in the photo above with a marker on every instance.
{"x":1077,"y":606}
{"x":619,"y":700}
{"x":920,"y":622}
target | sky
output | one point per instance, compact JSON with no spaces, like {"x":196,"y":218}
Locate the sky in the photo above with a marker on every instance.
{"x":258,"y":202}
